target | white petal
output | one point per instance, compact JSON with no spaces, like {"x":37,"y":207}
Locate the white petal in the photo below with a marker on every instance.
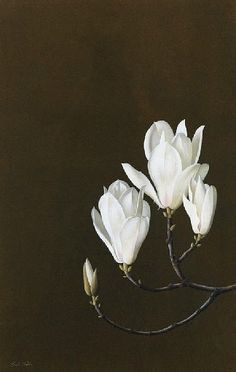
{"x":89,"y":271}
{"x":199,"y":195}
{"x":113,"y":218}
{"x":181,"y":185}
{"x":139,"y":207}
{"x":128,"y":237}
{"x":183,"y":145}
{"x":146,"y":209}
{"x":208,"y":210}
{"x":139,"y":180}
{"x":192,"y":188}
{"x":153,"y":136}
{"x":164,"y":166}
{"x":142,"y":233}
{"x":202,"y":171}
{"x":192,"y":213}
{"x":181,"y":128}
{"x":163,"y":137}
{"x":128,"y":201}
{"x":214,"y":196}
{"x":118,"y":187}
{"x":197,"y":144}
{"x":132,"y":235}
{"x":102,"y":233}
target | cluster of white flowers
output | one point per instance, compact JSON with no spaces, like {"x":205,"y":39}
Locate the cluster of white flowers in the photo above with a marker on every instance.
{"x":123,"y":219}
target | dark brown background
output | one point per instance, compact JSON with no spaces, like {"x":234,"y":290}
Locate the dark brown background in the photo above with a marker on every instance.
{"x":81,"y":81}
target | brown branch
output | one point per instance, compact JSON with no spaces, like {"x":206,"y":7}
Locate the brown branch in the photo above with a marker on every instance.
{"x":140,"y":285}
{"x":166,"y":329}
{"x":170,"y":246}
{"x":185,"y":284}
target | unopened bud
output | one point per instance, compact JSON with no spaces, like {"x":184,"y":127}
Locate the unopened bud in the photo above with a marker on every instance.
{"x":90,"y":279}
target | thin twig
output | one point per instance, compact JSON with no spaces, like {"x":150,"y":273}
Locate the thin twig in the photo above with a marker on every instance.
{"x":166,"y":329}
{"x":188,"y":251}
{"x":208,"y":288}
{"x":170,"y":246}
{"x":185,"y":284}
{"x":140,"y":285}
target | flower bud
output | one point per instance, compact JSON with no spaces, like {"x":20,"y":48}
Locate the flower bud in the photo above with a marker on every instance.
{"x":200,"y":207}
{"x":90,"y":279}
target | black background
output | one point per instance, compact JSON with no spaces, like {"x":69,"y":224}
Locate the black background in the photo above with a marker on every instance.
{"x":80,"y":83}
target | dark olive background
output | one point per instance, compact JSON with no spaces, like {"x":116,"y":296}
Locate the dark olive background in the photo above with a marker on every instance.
{"x":81,"y":82}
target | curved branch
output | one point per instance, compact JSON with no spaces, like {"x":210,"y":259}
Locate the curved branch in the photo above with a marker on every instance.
{"x":184,"y":284}
{"x":208,"y":288}
{"x":166,"y":329}
{"x":214,"y":291}
{"x":140,"y":285}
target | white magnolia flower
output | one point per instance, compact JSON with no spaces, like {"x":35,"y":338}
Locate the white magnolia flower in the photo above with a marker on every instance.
{"x":201,"y":206}
{"x":90,"y":279}
{"x":172,"y":163}
{"x":123,"y":221}
{"x":188,"y":150}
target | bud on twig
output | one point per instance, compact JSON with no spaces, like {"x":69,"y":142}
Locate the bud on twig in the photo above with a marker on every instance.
{"x":90,"y":279}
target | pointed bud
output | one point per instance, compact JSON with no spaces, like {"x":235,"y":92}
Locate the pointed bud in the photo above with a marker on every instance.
{"x":90,"y":279}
